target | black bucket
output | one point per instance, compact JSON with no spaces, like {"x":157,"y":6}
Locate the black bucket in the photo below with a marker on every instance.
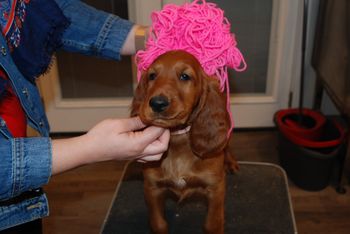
{"x":310,"y":164}
{"x":309,"y":169}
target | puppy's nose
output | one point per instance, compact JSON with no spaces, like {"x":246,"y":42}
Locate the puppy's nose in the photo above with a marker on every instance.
{"x":159,"y":103}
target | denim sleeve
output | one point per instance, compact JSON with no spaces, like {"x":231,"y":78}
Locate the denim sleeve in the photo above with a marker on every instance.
{"x":93,"y":32}
{"x":25,"y":165}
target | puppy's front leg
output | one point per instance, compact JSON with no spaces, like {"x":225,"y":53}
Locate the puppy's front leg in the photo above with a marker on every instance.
{"x":214,"y":223}
{"x":155,"y":201}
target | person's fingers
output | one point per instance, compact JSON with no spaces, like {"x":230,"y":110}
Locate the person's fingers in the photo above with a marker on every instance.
{"x":155,"y":150}
{"x":150,"y":158}
{"x":165,"y":137}
{"x":149,"y":135}
{"x":131,"y":124}
{"x":159,"y":145}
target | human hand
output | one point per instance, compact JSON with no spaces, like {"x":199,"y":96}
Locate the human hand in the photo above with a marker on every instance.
{"x":113,"y":139}
{"x":128,"y":139}
{"x":136,"y":40}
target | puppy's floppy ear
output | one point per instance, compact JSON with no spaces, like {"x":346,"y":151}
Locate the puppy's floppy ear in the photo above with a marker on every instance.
{"x":211,"y":122}
{"x":139,"y":96}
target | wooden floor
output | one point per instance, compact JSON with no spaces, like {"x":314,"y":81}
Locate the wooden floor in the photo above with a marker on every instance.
{"x":79,"y":199}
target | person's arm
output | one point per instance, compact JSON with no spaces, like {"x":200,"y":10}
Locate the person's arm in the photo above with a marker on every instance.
{"x":112,"y":139}
{"x":25,"y":165}
{"x":95,"y":32}
{"x":28,"y":163}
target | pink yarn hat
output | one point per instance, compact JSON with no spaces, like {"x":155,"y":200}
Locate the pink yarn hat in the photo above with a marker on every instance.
{"x":199,"y":28}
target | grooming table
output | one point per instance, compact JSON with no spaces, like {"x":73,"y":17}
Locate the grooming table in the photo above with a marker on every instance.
{"x":257,"y":201}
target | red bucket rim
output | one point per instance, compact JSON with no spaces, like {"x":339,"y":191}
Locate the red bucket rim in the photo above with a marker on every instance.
{"x":316,"y":144}
{"x":318,"y":117}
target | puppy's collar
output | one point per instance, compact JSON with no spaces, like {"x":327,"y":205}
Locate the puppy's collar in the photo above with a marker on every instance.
{"x":181,"y":131}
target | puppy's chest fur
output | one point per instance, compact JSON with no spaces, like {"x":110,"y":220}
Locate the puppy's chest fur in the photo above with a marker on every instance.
{"x":181,"y":168}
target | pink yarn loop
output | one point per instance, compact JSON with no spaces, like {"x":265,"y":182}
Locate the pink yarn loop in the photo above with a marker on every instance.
{"x":199,"y":28}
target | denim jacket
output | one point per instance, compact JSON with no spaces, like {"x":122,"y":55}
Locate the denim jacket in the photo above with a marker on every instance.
{"x":25,"y":163}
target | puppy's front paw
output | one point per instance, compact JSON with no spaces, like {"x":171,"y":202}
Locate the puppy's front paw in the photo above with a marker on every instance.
{"x":231,"y":165}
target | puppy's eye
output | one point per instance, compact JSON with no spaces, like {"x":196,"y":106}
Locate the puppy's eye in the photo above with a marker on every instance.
{"x":152,"y":76}
{"x":185,"y":77}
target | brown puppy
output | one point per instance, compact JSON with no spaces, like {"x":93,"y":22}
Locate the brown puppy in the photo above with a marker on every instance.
{"x":175,"y":93}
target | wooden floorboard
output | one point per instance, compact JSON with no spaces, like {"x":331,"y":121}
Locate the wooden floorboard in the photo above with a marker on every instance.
{"x":79,"y":199}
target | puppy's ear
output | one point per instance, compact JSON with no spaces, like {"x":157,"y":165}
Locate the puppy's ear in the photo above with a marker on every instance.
{"x":211,"y":122}
{"x":139,"y":96}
